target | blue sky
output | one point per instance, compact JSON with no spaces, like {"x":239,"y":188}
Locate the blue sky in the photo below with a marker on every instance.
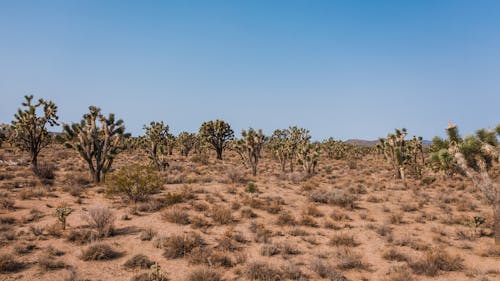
{"x":347,"y":69}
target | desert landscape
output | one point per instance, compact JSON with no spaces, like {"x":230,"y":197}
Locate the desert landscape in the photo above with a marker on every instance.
{"x":209,"y":206}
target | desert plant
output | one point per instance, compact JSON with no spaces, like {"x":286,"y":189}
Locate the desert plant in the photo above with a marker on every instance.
{"x":98,"y":146}
{"x":62,"y":212}
{"x":308,"y":156}
{"x":8,"y":263}
{"x":97,"y":252}
{"x":136,"y":182}
{"x":478,"y":157}
{"x":156,"y":142}
{"x":249,"y":147}
{"x":204,"y":274}
{"x":402,"y":154}
{"x":297,"y":140}
{"x":218,"y":134}
{"x":179,"y":245}
{"x":138,"y":261}
{"x":29,"y":130}
{"x":101,"y":219}
{"x":186,"y":141}
{"x":278,"y":144}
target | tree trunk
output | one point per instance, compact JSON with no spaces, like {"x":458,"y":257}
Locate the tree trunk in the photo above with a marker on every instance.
{"x":496,"y":214}
{"x":219,"y":153}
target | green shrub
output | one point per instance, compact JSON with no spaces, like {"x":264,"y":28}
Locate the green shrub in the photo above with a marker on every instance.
{"x":136,"y":182}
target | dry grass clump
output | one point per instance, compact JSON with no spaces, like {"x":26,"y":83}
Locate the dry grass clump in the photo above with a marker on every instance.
{"x":263,"y":272}
{"x":234,"y":176}
{"x":176,"y":215}
{"x":348,"y":259}
{"x":221,"y":215}
{"x":101,"y":219}
{"x":293,"y":272}
{"x":204,"y":274}
{"x":334,"y":197}
{"x":179,"y":245}
{"x":8,"y":263}
{"x":46,"y":261}
{"x":436,"y":260}
{"x":261,"y":233}
{"x":138,"y":261}
{"x":98,"y":252}
{"x":343,"y":239}
{"x":394,"y":254}
{"x":24,"y":248}
{"x":286,"y":218}
{"x":400,"y":273}
{"x":80,"y":236}
{"x":326,"y":270}
{"x":147,"y":234}
{"x":210,"y":257}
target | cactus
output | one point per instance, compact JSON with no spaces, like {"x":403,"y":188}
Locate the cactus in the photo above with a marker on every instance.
{"x":29,"y":131}
{"x":478,"y":157}
{"x":217,"y":133}
{"x":156,"y":142}
{"x":308,"y":155}
{"x":249,"y":147}
{"x":278,"y":145}
{"x":97,"y":145}
{"x":62,"y":212}
{"x":297,"y":137}
{"x":186,"y":142}
{"x":402,"y":154}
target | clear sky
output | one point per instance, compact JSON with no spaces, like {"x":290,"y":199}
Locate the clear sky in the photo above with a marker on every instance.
{"x":347,"y":69}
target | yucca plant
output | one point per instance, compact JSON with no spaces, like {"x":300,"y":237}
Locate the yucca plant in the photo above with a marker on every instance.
{"x":97,"y":139}
{"x":478,"y":157}
{"x":186,"y":142}
{"x":249,"y":147}
{"x":156,"y":142}
{"x":218,"y":134}
{"x":28,"y":130}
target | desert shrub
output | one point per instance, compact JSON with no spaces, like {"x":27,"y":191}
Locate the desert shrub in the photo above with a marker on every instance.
{"x":221,"y":215}
{"x":261,"y":233}
{"x":348,"y":259}
{"x":334,"y":197}
{"x":101,"y":219}
{"x":435,"y":260}
{"x":46,"y":262}
{"x":210,"y":257}
{"x":80,"y":236}
{"x":269,"y":250}
{"x":234,"y":176}
{"x":45,"y":171}
{"x":204,"y":274}
{"x":8,"y":263}
{"x":293,"y":272}
{"x":307,"y":220}
{"x":263,"y":272}
{"x":176,"y":215}
{"x":286,"y":218}
{"x":326,"y":270}
{"x":155,"y":274}
{"x":400,"y":273}
{"x":138,"y":261}
{"x":7,"y":203}
{"x":172,"y":198}
{"x":393,"y":254}
{"x":343,"y":239}
{"x":136,"y":182}
{"x":251,"y":187}
{"x":24,"y":248}
{"x":147,"y":234}
{"x":97,"y":252}
{"x":179,"y":245}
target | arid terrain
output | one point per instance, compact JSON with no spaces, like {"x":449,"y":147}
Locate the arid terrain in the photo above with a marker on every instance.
{"x":350,"y":221}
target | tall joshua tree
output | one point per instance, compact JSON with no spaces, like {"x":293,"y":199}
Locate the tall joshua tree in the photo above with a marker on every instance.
{"x":97,"y":145}
{"x":218,"y":134}
{"x":479,"y":157}
{"x":249,"y":147}
{"x":278,"y":145}
{"x":297,"y":137}
{"x":29,"y":130}
{"x":186,"y":142}
{"x":156,"y":142}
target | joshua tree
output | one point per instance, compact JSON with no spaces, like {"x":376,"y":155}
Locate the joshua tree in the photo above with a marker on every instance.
{"x":156,"y":141}
{"x":478,"y":157}
{"x":97,"y":145}
{"x":186,"y":141}
{"x":278,"y":145}
{"x":29,"y":131}
{"x":3,"y":133}
{"x":249,"y":147}
{"x":297,"y":137}
{"x":401,"y":153}
{"x":217,"y":133}
{"x":62,"y":212}
{"x":308,"y":155}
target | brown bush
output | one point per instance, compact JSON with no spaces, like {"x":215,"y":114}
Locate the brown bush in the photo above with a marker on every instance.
{"x":179,"y":245}
{"x":435,"y":260}
{"x":263,"y":272}
{"x":101,"y":219}
{"x":98,"y":251}
{"x":343,"y":239}
{"x":8,"y":263}
{"x":176,"y":215}
{"x":204,"y":274}
{"x":138,"y":261}
{"x":221,"y":215}
{"x":334,"y":197}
